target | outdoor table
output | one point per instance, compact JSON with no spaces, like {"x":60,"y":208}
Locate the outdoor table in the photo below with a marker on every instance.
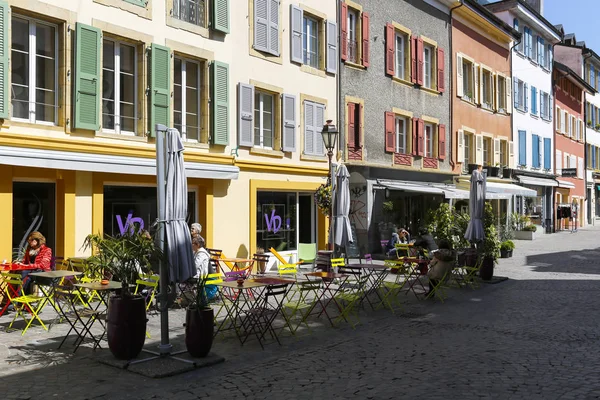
{"x":376,"y":275}
{"x":416,"y":273}
{"x":235,"y":261}
{"x":16,"y":266}
{"x":328,"y":279}
{"x":48,"y":281}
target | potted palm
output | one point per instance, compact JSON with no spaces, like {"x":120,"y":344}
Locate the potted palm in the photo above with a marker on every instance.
{"x":199,"y":322}
{"x":123,"y":257}
{"x":490,"y":247}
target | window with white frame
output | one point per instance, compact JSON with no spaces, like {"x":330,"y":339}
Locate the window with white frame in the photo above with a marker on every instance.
{"x":353,"y":25}
{"x":501,"y":95}
{"x":521,"y":94}
{"x":487,"y":151}
{"x":34,"y":69}
{"x":428,"y":60}
{"x":468,"y":83}
{"x":192,"y":11}
{"x":401,"y":135}
{"x":564,"y":122}
{"x":310,"y":41}
{"x":504,"y":152}
{"x":541,"y":51}
{"x":487,"y":89}
{"x":401,"y":41}
{"x":264,"y":121}
{"x":187,"y":98}
{"x":429,"y":140}
{"x":468,"y":149}
{"x":545,"y":106}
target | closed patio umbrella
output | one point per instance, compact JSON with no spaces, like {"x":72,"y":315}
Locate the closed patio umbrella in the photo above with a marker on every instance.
{"x":341,"y":234}
{"x":474,"y":231}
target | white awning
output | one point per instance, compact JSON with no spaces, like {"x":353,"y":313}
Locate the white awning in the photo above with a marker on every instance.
{"x":410,"y":186}
{"x":565,"y":184}
{"x":106,"y":163}
{"x":530,"y":180}
{"x":508,"y":189}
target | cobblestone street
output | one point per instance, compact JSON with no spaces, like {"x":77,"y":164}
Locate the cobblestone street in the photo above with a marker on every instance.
{"x":533,"y":336}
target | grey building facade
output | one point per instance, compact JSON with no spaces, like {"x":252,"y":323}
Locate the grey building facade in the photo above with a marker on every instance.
{"x":395,"y":112}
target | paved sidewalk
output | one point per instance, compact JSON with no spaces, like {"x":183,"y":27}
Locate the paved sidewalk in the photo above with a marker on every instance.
{"x":531,"y":337}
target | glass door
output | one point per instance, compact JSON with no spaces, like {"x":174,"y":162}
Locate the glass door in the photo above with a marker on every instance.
{"x":307,"y":232}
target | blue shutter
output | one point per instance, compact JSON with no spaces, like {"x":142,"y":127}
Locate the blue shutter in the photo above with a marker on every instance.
{"x":533,"y":100}
{"x":593,"y":112}
{"x":522,"y":148}
{"x":547,"y":153}
{"x":594,"y":161}
{"x":535,"y":151}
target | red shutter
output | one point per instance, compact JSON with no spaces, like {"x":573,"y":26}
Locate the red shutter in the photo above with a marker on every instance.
{"x":440,"y":70}
{"x":390,"y":132}
{"x":366,"y":58}
{"x":421,"y":137}
{"x":359,"y":126}
{"x":442,"y":142}
{"x":390,"y":42}
{"x":351,"y":134}
{"x":420,"y":61}
{"x":344,"y":32}
{"x":415,"y":137}
{"x":413,"y":59}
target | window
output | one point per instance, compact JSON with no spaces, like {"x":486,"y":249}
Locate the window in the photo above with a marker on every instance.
{"x":428,"y":61}
{"x":353,"y":25}
{"x":429,"y":140}
{"x":487,"y":151}
{"x":34,"y":68}
{"x":263,"y":119}
{"x":545,"y":106}
{"x":503,"y":152}
{"x":192,"y":11}
{"x":276,"y":220}
{"x":541,"y":52}
{"x":310,"y":41}
{"x":468,"y":149}
{"x":119,"y":87}
{"x":521,"y":95}
{"x":468,"y":83}
{"x":400,"y":54}
{"x":187,"y":99}
{"x":501,"y":87}
{"x":314,"y":118}
{"x":487,"y":89}
{"x":401,"y":135}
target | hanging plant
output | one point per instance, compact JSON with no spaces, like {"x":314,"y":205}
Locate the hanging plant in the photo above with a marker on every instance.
{"x":323,"y":198}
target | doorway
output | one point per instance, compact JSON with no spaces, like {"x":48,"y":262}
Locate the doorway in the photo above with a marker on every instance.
{"x":306,"y":219}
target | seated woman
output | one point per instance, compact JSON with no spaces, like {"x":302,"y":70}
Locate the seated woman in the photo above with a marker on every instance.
{"x":38,"y":256}
{"x":391,"y":244}
{"x":442,"y":263}
{"x":203,"y":264}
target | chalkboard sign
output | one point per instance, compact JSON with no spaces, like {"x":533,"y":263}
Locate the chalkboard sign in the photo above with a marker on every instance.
{"x":353,"y":250}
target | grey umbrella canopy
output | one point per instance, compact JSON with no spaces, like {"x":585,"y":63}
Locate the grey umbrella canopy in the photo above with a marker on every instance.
{"x":342,"y":231}
{"x":475,"y":231}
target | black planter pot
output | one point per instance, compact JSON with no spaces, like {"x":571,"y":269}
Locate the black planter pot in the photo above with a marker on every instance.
{"x":510,"y":253}
{"x":472,"y":167}
{"x":487,"y":269}
{"x":494,"y":172}
{"x":199,"y":328}
{"x":126,"y":326}
{"x":506,"y":173}
{"x":504,"y":253}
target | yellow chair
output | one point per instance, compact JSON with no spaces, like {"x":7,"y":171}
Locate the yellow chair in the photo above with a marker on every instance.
{"x":390,"y":290}
{"x":285,"y":268}
{"x":31,"y":304}
{"x":337,"y":263}
{"x":149,"y":283}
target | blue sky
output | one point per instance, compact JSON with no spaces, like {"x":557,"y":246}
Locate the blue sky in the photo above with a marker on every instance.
{"x":576,"y":16}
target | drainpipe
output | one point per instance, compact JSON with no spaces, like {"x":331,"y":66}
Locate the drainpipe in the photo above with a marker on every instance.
{"x":510,"y":64}
{"x":585,"y":153}
{"x":338,"y":78}
{"x":451,"y":91}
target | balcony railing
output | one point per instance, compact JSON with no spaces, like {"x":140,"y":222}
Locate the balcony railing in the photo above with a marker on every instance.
{"x":192,"y":11}
{"x":352,"y":51}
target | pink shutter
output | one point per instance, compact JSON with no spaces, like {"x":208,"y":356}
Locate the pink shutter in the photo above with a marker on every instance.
{"x":442,"y":142}
{"x":390,"y":132}
{"x":420,"y":61}
{"x":390,"y":42}
{"x":359,"y":126}
{"x":421,"y":137}
{"x":413,"y":59}
{"x":344,"y":32}
{"x":415,"y":136}
{"x":366,"y":58}
{"x":351,"y":125}
{"x":440,"y":70}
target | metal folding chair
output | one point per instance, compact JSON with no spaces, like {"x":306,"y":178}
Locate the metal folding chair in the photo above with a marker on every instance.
{"x":259,"y":319}
{"x":301,"y":305}
{"x":30,"y":304}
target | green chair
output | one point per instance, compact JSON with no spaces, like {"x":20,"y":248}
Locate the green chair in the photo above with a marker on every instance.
{"x":299,"y":307}
{"x":307,"y":254}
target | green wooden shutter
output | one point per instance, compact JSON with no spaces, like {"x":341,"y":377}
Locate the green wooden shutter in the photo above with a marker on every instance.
{"x":160,"y":85}
{"x":220,"y":103}
{"x":4,"y":68}
{"x":220,"y":15}
{"x":87,"y":88}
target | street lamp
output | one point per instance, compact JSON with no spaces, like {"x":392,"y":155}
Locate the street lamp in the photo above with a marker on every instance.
{"x":329,"y":134}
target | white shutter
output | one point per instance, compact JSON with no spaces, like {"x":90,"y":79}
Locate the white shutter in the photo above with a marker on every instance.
{"x":460,"y":92}
{"x":461,"y":146}
{"x":508,"y":95}
{"x":297,"y":16}
{"x":511,"y":154}
{"x":261,"y":25}
{"x":319,"y":122}
{"x":495,"y":90}
{"x":332,"y":58}
{"x":274,"y":27}
{"x":558,"y":162}
{"x":289,"y":123}
{"x":476,"y":84}
{"x":580,"y":167}
{"x":309,"y":127}
{"x":550,"y":106}
{"x":563,"y":122}
{"x":572,"y":161}
{"x":245,"y":114}
{"x":496,"y":151}
{"x":479,"y":149}
{"x":526,"y":96}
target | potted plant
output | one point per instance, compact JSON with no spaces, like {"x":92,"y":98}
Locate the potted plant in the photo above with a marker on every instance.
{"x":506,"y":172}
{"x":123,"y":257}
{"x":589,"y":123}
{"x":490,"y":247}
{"x":494,"y":171}
{"x":323,"y":198}
{"x":472,"y":167}
{"x":506,"y":248}
{"x":598,"y":127}
{"x":526,"y":233}
{"x":199,"y":322}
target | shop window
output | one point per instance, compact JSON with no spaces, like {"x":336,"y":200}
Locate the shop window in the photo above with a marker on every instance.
{"x":276,"y":220}
{"x":187,"y":98}
{"x":192,"y":11}
{"x":34,"y":71}
{"x":119,"y":87}
{"x":263,"y":119}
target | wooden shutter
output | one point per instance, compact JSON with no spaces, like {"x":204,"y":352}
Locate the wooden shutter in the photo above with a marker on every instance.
{"x":420,"y":76}
{"x":319,"y":122}
{"x":87,"y":88}
{"x":415,"y":137}
{"x":5,"y":68}
{"x":344,"y":32}
{"x":479,"y":149}
{"x":413,"y":59}
{"x":366,"y":57}
{"x":441,"y":74}
{"x":296,"y":16}
{"x":477,"y":84}
{"x":245,"y":115}
{"x":511,"y":154}
{"x":390,"y":49}
{"x":220,"y":16}
{"x":508,"y":92}
{"x":558,"y":162}
{"x":390,"y":132}
{"x":496,"y":104}
{"x":497,"y":145}
{"x":160,"y":87}
{"x":580,"y":169}
{"x":351,"y":134}
{"x":421,"y":137}
{"x":442,"y":142}
{"x":261,"y":25}
{"x":220,"y":103}
{"x":289,"y":123}
{"x":460,"y":146}
{"x":309,"y":128}
{"x":359,"y":126}
{"x":274,"y":27}
{"x":460,"y":90}
{"x":332,"y":59}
